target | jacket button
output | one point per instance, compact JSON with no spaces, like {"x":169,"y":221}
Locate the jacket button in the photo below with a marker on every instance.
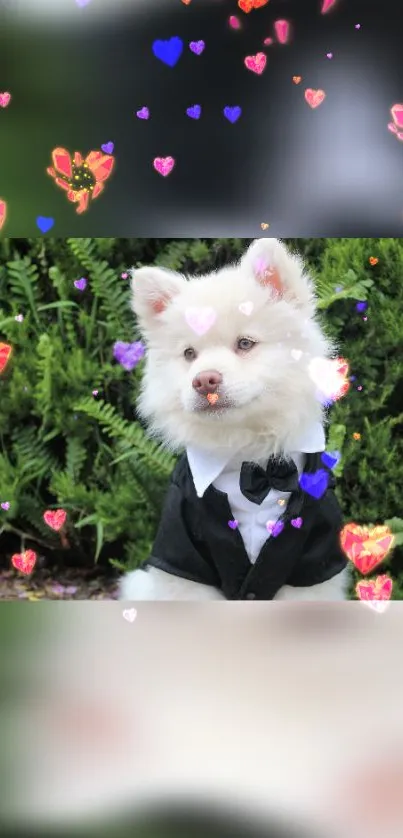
{"x":250,"y":596}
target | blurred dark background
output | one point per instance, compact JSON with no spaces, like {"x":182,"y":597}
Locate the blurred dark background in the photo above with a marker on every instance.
{"x":77,"y":76}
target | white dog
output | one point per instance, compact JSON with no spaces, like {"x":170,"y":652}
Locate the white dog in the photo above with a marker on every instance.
{"x":227,"y":378}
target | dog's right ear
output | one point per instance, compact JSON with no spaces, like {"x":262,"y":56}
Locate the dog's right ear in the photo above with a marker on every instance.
{"x":153,"y":289}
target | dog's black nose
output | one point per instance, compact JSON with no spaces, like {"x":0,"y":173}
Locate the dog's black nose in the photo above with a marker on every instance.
{"x":206,"y":382}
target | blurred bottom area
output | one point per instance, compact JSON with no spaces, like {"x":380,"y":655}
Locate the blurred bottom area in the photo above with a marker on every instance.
{"x":281,"y":720}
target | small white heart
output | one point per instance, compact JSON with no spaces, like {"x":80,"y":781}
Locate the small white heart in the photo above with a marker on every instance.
{"x":246,"y":308}
{"x":200,"y":319}
{"x":379,"y":605}
{"x":296,"y":353}
{"x":130,"y":615}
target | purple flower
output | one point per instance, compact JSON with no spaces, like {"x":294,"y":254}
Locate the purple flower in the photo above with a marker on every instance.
{"x":128,"y":354}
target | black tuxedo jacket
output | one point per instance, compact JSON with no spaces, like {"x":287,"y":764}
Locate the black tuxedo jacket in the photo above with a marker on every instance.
{"x":195,"y":542}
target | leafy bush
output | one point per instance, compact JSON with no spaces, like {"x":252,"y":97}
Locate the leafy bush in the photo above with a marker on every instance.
{"x":65,"y":445}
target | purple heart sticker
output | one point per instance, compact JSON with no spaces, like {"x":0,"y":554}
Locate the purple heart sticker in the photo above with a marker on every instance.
{"x":275,"y":527}
{"x":232,"y":113}
{"x":143,"y":113}
{"x":197,"y":47}
{"x":107,"y":148}
{"x":314,"y":484}
{"x":233,"y":524}
{"x":82,"y":3}
{"x":5,"y":505}
{"x":81,"y":284}
{"x":44,"y":224}
{"x":194,"y":112}
{"x":361,"y":306}
{"x":331,"y":458}
{"x":297,"y":523}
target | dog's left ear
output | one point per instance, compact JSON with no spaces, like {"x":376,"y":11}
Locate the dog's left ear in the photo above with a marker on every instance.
{"x":282,"y":272}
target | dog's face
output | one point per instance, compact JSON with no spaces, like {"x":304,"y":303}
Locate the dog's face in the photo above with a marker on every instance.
{"x":228,"y":353}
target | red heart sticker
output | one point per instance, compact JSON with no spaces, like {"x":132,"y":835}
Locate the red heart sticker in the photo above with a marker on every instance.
{"x":25,"y":562}
{"x":55,"y":518}
{"x":365,"y":546}
{"x":5,"y":352}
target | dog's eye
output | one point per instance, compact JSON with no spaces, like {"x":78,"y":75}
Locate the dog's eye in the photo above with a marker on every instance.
{"x":190,"y":353}
{"x":245,"y":344}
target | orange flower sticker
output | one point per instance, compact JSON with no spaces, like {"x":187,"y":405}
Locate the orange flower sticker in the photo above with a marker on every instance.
{"x":81,"y":178}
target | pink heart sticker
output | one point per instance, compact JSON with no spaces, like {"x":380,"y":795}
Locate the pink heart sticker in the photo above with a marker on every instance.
{"x":282,"y":30}
{"x":200,"y":319}
{"x":246,"y":308}
{"x":397,"y":115}
{"x":164,"y":165}
{"x":314,"y":97}
{"x":5,"y":98}
{"x":256,"y":63}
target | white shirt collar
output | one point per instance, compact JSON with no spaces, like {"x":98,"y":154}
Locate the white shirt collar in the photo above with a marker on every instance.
{"x":207,"y":466}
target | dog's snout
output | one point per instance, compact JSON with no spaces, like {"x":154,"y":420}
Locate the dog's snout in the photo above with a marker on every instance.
{"x":206,"y":382}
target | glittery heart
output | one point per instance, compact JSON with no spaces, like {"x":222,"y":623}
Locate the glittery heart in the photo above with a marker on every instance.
{"x":282,"y":30}
{"x":194,"y":111}
{"x":25,"y":562}
{"x":245,"y":5}
{"x":366,"y":546}
{"x":107,"y":148}
{"x":256,"y":63}
{"x":44,"y":224}
{"x":5,"y":98}
{"x":5,"y":352}
{"x":330,"y":458}
{"x":164,"y":165}
{"x":212,"y":398}
{"x":81,"y":284}
{"x":55,"y":518}
{"x":314,"y":97}
{"x":257,"y":4}
{"x":373,"y":260}
{"x":330,"y":377}
{"x":246,"y":308}
{"x":314,"y":484}
{"x":397,"y":115}
{"x":233,"y":524}
{"x":130,"y":614}
{"x":375,"y":592}
{"x":168,"y":51}
{"x":296,"y":522}
{"x":275,"y":528}
{"x":200,"y":319}
{"x":232,"y":113}
{"x":197,"y":47}
{"x":143,"y":113}
{"x":297,"y":79}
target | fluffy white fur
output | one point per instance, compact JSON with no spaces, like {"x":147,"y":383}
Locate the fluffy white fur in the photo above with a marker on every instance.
{"x":271,"y":394}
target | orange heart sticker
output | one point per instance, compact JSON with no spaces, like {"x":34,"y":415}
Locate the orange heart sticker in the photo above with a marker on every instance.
{"x":55,"y":518}
{"x":186,"y":2}
{"x":366,"y":547}
{"x":264,"y":225}
{"x":378,"y":590}
{"x":257,"y":4}
{"x":212,"y":398}
{"x":373,"y":260}
{"x":25,"y":562}
{"x":5,"y":352}
{"x":297,"y":79}
{"x":245,"y":5}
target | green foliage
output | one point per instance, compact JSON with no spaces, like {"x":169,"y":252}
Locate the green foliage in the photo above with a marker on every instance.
{"x":63,"y":446}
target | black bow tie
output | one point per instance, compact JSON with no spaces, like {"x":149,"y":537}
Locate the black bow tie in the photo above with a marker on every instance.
{"x":255,"y":482}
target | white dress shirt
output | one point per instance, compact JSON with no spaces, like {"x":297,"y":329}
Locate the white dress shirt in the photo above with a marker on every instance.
{"x":222,"y":470}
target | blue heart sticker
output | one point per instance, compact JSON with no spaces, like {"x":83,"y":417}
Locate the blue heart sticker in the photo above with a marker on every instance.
{"x":44,"y":224}
{"x":168,"y":51}
{"x":314,"y":484}
{"x":194,"y":112}
{"x":232,"y":114}
{"x":331,"y":458}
